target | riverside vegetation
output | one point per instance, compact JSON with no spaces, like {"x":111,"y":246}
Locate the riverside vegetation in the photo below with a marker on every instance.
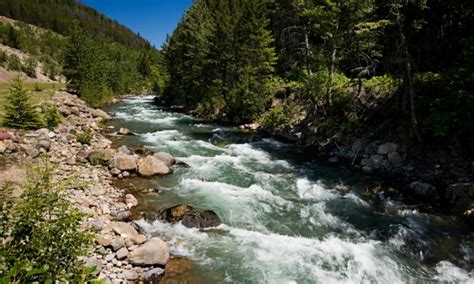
{"x":343,"y":78}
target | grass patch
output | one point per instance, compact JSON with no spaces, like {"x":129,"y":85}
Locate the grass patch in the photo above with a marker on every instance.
{"x":39,"y":93}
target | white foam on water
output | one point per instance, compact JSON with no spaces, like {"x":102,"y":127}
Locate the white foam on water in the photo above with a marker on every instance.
{"x":250,"y":153}
{"x":231,"y":192}
{"x":356,"y":199}
{"x":163,"y":135}
{"x":312,"y":191}
{"x":281,"y":258}
{"x":448,"y":272}
{"x":175,"y":234}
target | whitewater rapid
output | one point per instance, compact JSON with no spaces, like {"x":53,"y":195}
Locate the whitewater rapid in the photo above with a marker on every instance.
{"x":283,"y":219}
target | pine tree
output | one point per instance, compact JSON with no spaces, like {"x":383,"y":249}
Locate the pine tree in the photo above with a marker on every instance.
{"x":19,"y":113}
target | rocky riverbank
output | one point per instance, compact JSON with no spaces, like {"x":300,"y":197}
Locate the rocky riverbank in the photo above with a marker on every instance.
{"x":445,"y":181}
{"x":122,"y":253}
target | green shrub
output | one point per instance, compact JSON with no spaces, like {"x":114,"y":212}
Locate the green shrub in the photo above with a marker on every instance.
{"x":30,"y":67}
{"x":14,"y":63}
{"x":19,"y":113}
{"x":43,"y":234}
{"x":51,"y":116}
{"x":84,"y":137}
{"x":3,"y":58}
{"x":275,"y":118}
{"x":381,"y":85}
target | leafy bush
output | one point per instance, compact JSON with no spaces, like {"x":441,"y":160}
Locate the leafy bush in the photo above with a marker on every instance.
{"x":14,"y":63}
{"x":381,"y":85}
{"x":42,"y":233}
{"x":275,"y":118}
{"x":84,"y":137}
{"x":3,"y":57}
{"x":51,"y":116}
{"x":19,"y":113}
{"x":30,"y":67}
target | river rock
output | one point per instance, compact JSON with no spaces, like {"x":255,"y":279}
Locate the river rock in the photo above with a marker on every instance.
{"x":153,"y":275}
{"x":151,"y":166}
{"x":122,"y":253}
{"x":104,"y":240}
{"x":124,"y":150}
{"x":115,"y":171}
{"x":98,"y":113}
{"x":190,"y":217}
{"x":117,"y":243}
{"x":166,"y":158}
{"x":130,"y":275}
{"x":386,"y":148}
{"x":376,"y":161}
{"x":394,"y":158}
{"x":4,"y":135}
{"x":153,"y":252}
{"x":176,"y":213}
{"x":124,"y":131}
{"x":3,"y":147}
{"x":43,"y":144}
{"x":204,"y":219}
{"x":124,"y":162}
{"x":130,"y":200}
{"x":424,"y":191}
{"x":32,"y":152}
{"x":121,"y":228}
{"x":96,"y":263}
{"x":100,"y":157}
{"x":123,"y":216}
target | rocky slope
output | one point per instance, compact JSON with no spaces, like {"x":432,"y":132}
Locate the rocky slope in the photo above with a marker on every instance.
{"x":122,"y":253}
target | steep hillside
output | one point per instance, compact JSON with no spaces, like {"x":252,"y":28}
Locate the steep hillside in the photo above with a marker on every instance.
{"x":96,"y":56}
{"x":60,"y":15}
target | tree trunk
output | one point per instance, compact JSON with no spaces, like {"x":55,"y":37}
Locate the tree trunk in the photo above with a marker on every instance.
{"x":307,"y":53}
{"x":332,"y":70}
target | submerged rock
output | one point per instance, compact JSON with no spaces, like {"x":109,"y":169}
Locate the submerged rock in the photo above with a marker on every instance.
{"x":190,"y":217}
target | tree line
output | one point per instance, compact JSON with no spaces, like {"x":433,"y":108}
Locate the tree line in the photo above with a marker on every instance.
{"x":229,"y":58}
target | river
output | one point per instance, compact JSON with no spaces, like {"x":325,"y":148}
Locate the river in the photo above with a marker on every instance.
{"x":284,"y":219}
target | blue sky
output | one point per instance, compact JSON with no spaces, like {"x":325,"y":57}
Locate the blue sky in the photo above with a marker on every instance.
{"x":153,"y":19}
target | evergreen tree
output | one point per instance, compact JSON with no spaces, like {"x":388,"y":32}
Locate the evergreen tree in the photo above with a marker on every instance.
{"x":85,"y":67}
{"x":19,"y":113}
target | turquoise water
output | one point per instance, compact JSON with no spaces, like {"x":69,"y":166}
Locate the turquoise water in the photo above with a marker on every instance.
{"x":284,"y":221}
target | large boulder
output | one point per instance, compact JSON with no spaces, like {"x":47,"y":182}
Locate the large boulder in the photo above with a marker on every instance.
{"x":98,"y":113}
{"x":153,"y":252}
{"x":424,"y":191}
{"x":151,"y":166}
{"x":190,"y":217}
{"x":100,"y":157}
{"x":166,"y":158}
{"x":124,"y":162}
